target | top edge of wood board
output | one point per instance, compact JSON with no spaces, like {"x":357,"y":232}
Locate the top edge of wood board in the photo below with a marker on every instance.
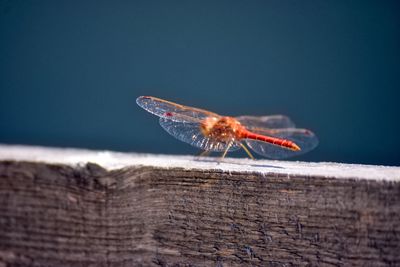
{"x":116,"y":160}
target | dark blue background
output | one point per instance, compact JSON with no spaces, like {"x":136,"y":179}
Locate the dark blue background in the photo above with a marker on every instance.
{"x":70,"y":71}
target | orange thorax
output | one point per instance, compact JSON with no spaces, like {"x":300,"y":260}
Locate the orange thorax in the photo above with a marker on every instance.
{"x":222,"y":129}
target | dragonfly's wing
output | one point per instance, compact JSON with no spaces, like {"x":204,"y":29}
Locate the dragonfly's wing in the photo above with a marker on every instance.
{"x":173,"y":111}
{"x":305,"y":139}
{"x":190,"y":133}
{"x":272,"y":122}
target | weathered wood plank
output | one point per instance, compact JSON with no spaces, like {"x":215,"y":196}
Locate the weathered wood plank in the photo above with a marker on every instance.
{"x":84,"y":208}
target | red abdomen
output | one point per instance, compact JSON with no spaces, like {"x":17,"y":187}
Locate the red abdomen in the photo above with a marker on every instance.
{"x":272,"y":140}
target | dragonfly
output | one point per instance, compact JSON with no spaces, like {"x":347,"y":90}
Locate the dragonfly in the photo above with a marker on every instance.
{"x":274,"y":137}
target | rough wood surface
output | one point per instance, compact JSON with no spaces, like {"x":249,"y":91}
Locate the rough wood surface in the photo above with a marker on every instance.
{"x":83,"y":208}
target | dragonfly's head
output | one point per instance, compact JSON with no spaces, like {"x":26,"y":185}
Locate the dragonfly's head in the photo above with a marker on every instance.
{"x":207,"y":125}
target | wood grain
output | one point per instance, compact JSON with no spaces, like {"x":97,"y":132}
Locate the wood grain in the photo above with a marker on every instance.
{"x":87,"y":215}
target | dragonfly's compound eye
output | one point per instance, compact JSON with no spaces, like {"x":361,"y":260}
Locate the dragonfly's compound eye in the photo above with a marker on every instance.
{"x":207,"y":124}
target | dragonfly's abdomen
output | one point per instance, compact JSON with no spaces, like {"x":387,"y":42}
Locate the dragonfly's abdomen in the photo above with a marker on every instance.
{"x":272,"y":140}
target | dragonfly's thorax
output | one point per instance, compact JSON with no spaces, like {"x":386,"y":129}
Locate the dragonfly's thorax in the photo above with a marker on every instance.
{"x":223,"y":129}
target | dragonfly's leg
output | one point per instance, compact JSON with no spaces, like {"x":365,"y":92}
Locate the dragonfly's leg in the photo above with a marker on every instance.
{"x":226,"y":150}
{"x":205,"y":153}
{"x":247,"y":151}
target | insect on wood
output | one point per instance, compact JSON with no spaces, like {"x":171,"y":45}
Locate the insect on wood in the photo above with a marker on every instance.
{"x":274,"y":137}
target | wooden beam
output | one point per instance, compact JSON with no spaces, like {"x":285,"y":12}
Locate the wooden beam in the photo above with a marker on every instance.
{"x":71,"y":207}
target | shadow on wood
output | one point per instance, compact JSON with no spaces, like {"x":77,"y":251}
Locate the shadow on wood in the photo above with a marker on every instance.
{"x":85,"y":215}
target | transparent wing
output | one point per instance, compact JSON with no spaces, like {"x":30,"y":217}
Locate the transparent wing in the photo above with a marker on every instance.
{"x":305,"y":139}
{"x":173,"y":111}
{"x":272,"y":122}
{"x":190,"y":133}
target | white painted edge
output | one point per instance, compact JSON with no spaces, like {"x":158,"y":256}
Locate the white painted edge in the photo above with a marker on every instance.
{"x":116,"y":160}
